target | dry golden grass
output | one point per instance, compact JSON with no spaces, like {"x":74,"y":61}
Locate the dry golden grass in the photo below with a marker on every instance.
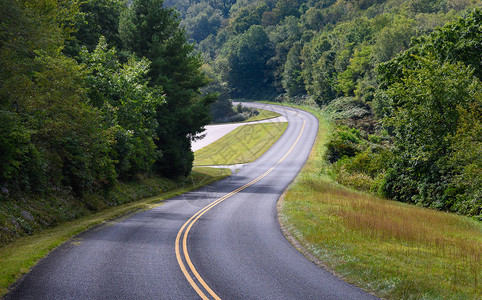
{"x":418,"y":229}
{"x":397,"y":250}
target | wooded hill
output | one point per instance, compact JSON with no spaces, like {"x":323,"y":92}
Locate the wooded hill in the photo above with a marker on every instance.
{"x":401,"y":79}
{"x":95,"y":91}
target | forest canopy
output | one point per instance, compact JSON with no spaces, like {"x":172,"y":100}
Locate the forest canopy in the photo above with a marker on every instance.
{"x":95,"y":91}
{"x":376,"y":67}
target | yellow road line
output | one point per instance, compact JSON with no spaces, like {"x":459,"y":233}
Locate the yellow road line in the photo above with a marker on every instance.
{"x":294,"y":144}
{"x":189,"y":223}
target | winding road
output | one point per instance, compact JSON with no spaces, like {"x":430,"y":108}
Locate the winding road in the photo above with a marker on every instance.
{"x":222,"y":241}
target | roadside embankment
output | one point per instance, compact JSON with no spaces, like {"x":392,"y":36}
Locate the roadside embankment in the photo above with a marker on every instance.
{"x":395,"y":250}
{"x":32,"y":226}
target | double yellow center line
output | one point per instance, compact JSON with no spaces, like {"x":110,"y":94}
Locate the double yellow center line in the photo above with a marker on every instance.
{"x":184,"y":231}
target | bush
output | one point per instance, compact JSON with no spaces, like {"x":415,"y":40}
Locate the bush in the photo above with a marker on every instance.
{"x":364,"y":171}
{"x":223,"y":111}
{"x":466,"y":161}
{"x":430,"y":122}
{"x":345,"y":142}
{"x":347,"y":108}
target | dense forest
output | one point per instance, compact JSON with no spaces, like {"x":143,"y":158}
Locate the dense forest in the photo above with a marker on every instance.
{"x":92,"y":92}
{"x":400,"y":79}
{"x":98,"y":91}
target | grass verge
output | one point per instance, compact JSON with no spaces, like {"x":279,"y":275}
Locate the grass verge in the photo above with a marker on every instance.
{"x":20,"y":255}
{"x":242,"y":145}
{"x":395,"y":250}
{"x":263,"y":115}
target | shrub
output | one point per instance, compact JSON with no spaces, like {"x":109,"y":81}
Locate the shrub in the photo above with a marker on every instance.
{"x":223,"y":111}
{"x":345,"y":142}
{"x":347,"y":108}
{"x":364,"y":171}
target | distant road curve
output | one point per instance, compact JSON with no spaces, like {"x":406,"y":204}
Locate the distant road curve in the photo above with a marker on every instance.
{"x":220,"y":242}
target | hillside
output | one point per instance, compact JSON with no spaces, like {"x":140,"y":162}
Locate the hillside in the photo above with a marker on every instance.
{"x":92,"y":101}
{"x":375,"y":66}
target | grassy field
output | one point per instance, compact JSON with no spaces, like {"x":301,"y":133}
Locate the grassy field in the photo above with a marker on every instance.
{"x":19,"y":256}
{"x":263,"y":115}
{"x":242,"y":145}
{"x":396,"y":250}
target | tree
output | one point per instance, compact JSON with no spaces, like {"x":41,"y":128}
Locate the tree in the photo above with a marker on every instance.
{"x":312,"y":19}
{"x":430,"y":99}
{"x":465,"y":181}
{"x":201,"y":20}
{"x":393,"y":39}
{"x":283,"y":36}
{"x":458,"y":41}
{"x":247,"y":17}
{"x":50,"y":137}
{"x":424,"y":116}
{"x":96,"y":18}
{"x":318,"y":69}
{"x":358,"y":67}
{"x":284,"y":8}
{"x":128,"y":106}
{"x":292,"y":79}
{"x":67,"y":131}
{"x":152,"y":31}
{"x":247,"y":56}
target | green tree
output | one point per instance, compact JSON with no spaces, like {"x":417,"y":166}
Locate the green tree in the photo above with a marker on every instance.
{"x":312,"y":19}
{"x":424,"y":116}
{"x":358,"y":67}
{"x":458,"y":41}
{"x":246,"y":57}
{"x":128,"y":105}
{"x":247,"y":17}
{"x":292,"y":79}
{"x":393,"y":39}
{"x":201,"y":20}
{"x":67,"y":131}
{"x":430,"y":98}
{"x":96,"y":18}
{"x":283,"y":36}
{"x":152,"y":31}
{"x":51,"y":137}
{"x":285,"y":8}
{"x":465,"y":180}
{"x":318,"y":69}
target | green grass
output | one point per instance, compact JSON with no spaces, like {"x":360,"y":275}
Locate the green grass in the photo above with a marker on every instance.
{"x":395,"y":250}
{"x":20,"y":255}
{"x":263,"y":115}
{"x":242,"y":145}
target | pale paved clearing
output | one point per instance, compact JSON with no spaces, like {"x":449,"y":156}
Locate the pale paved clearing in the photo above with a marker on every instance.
{"x":215,"y":132}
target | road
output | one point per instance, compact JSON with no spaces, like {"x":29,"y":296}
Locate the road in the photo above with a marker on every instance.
{"x":221,"y":241}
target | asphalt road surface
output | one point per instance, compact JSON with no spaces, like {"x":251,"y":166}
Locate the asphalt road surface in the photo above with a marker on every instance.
{"x":221,"y":241}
